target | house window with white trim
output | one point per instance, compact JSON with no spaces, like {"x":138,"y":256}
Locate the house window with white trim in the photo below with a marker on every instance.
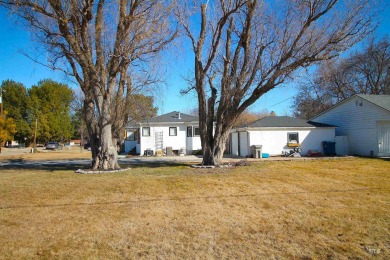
{"x":189,"y":131}
{"x":292,"y":139}
{"x":196,"y":131}
{"x":145,"y":131}
{"x":173,"y":131}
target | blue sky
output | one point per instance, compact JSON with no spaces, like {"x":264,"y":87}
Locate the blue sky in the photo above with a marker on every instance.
{"x":14,"y":65}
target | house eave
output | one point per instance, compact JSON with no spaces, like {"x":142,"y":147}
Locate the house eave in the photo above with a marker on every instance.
{"x":279,"y":128}
{"x":168,"y":123}
{"x":146,"y":124}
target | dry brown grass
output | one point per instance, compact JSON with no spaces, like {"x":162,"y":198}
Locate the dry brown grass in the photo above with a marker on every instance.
{"x":335,"y":209}
{"x":42,"y":154}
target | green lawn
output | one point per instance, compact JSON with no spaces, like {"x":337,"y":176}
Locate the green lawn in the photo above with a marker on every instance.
{"x":296,"y":209}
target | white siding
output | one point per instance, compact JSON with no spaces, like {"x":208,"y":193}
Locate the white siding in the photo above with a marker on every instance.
{"x":176,"y":142}
{"x":358,"y":122}
{"x":274,"y":141}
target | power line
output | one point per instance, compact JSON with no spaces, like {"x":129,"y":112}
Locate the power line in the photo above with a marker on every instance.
{"x":281,"y":102}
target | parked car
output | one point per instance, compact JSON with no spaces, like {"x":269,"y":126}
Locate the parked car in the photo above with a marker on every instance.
{"x":53,"y":146}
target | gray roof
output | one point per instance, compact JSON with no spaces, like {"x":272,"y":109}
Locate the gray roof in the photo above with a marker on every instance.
{"x":382,"y":101}
{"x":172,"y":117}
{"x":284,"y":121}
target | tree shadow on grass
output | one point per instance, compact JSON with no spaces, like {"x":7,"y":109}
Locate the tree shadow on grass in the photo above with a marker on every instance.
{"x":75,"y":164}
{"x":49,"y":165}
{"x":375,"y":158}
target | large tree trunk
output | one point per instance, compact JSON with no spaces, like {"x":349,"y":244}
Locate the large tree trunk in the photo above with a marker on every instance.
{"x":213,"y":151}
{"x":103,"y":147}
{"x":214,"y":156}
{"x":89,"y":113}
{"x":107,"y":156}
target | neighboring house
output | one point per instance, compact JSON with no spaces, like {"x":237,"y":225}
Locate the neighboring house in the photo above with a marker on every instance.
{"x":11,"y":144}
{"x":363,"y":121}
{"x":280,"y":133}
{"x":173,"y":132}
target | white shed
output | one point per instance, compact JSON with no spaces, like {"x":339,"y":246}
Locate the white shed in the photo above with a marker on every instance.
{"x":280,"y":133}
{"x":174,"y":131}
{"x":364,"y":120}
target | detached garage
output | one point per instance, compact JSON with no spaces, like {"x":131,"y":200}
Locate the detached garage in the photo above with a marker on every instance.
{"x":280,"y":133}
{"x":365,"y":122}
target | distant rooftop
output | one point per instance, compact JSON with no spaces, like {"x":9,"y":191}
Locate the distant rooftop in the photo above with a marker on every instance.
{"x":172,"y":117}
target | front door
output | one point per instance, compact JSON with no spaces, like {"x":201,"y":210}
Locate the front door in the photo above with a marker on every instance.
{"x":189,"y":140}
{"x":383,"y":131}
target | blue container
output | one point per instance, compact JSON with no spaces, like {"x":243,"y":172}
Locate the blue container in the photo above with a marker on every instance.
{"x":265,"y":155}
{"x":329,"y":148}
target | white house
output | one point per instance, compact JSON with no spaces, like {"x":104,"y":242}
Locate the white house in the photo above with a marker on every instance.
{"x":174,"y":132}
{"x":363,"y":121}
{"x":280,"y":133}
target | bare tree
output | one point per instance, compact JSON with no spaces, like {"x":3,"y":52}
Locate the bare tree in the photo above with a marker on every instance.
{"x":101,"y":44}
{"x":364,"y":72}
{"x":245,"y":48}
{"x":247,"y":117}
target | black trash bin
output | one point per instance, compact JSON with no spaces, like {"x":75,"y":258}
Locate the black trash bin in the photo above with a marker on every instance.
{"x":329,"y":148}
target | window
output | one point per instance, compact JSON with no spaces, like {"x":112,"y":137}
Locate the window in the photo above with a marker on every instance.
{"x":145,"y":131}
{"x":196,"y":131}
{"x":130,"y":136}
{"x":173,"y":131}
{"x":292,"y":138}
{"x":189,"y":131}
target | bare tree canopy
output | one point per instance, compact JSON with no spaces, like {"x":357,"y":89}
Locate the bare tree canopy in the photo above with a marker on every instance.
{"x":105,"y":46}
{"x":245,"y":48}
{"x":365,"y":72}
